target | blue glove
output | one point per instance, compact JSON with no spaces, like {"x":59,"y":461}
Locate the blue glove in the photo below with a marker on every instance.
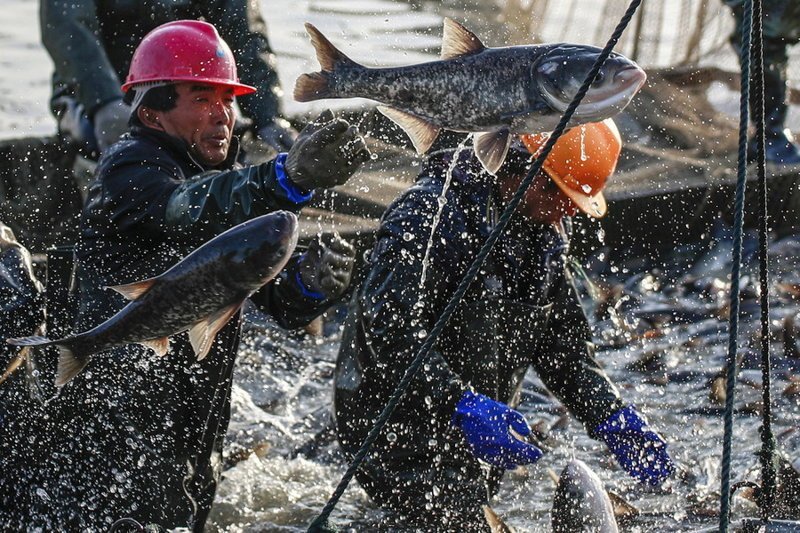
{"x":638,"y":449}
{"x":485,"y":424}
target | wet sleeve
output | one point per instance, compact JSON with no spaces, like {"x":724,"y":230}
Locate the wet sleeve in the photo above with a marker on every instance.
{"x":284,"y":300}
{"x":152,"y":197}
{"x":567,"y":366}
{"x":398,"y":313}
{"x":71,"y":34}
{"x":242,"y":26}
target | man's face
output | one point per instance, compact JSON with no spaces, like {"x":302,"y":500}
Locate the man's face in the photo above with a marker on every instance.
{"x":543,"y":201}
{"x":203,"y":118}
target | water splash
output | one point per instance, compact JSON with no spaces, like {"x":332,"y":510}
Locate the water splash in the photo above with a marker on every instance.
{"x":584,"y":157}
{"x":441,"y":201}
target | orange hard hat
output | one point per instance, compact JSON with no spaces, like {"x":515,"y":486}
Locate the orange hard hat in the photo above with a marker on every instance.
{"x":581,"y":162}
{"x":184,"y":51}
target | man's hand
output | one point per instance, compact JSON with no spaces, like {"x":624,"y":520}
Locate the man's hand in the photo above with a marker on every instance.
{"x":278,"y":134}
{"x":110,"y":122}
{"x":326,"y":153}
{"x":638,"y":449}
{"x":324,"y":270}
{"x":486,"y":424}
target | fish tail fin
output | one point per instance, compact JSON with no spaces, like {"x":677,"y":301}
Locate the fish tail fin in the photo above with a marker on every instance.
{"x":70,"y":365}
{"x":330,"y":58}
{"x":316,"y":85}
{"x":36,"y":340}
{"x":313,"y":86}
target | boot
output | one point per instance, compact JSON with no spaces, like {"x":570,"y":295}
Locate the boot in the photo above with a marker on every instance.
{"x":780,"y":149}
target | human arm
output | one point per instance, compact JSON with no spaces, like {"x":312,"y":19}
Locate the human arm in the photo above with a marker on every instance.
{"x":568,"y":368}
{"x":314,"y":279}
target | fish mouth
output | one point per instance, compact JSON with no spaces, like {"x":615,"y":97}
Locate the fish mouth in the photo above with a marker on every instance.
{"x":602,"y":104}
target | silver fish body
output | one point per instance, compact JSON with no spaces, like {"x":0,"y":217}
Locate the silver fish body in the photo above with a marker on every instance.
{"x":200,"y":294}
{"x":581,"y":503}
{"x":493,"y":92}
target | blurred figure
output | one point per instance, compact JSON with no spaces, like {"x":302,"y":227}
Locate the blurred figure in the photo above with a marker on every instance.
{"x":91,"y":43}
{"x":781,"y":29}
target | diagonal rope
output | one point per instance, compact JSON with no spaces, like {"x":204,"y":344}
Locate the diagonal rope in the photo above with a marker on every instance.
{"x":321,"y":522}
{"x":768,"y":475}
{"x":733,"y":320}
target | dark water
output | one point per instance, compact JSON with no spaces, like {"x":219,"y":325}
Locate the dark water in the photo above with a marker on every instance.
{"x":662,"y":337}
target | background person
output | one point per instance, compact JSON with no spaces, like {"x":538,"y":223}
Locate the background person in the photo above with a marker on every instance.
{"x":91,"y":43}
{"x":781,"y":29}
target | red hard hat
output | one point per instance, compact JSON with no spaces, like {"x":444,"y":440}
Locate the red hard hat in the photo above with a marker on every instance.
{"x":184,"y":51}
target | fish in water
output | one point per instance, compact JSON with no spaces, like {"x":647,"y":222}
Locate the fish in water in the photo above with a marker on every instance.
{"x":494,"y":92}
{"x":581,"y":502}
{"x":199,"y":294}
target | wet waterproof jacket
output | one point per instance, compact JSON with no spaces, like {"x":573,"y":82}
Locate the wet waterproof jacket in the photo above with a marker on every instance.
{"x":91,"y":43}
{"x":141,"y":435}
{"x":21,"y":313}
{"x":521,"y":311}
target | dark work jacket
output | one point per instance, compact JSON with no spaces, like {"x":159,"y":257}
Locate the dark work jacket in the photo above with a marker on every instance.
{"x":91,"y":43}
{"x":141,"y":434}
{"x":521,"y":310}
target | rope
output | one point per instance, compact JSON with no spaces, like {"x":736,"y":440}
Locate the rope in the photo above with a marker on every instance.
{"x":768,"y":475}
{"x":733,"y":321}
{"x":321,"y":522}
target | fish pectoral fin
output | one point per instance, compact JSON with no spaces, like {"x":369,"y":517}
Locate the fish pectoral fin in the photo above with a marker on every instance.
{"x":134,"y":291}
{"x":458,"y":41}
{"x":202,"y":334}
{"x":421,"y":132}
{"x":495,"y":523}
{"x":491,"y":148}
{"x":555,"y":478}
{"x":160,"y":346}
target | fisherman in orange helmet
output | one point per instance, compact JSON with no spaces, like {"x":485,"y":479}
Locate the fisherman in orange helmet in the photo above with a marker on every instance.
{"x":443,"y":452}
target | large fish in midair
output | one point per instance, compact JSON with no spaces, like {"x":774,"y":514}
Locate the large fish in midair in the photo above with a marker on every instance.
{"x":494,"y":92}
{"x":199,"y":294}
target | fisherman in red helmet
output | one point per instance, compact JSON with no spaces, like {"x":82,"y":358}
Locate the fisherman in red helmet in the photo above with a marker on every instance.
{"x":140,"y":436}
{"x":91,"y":44}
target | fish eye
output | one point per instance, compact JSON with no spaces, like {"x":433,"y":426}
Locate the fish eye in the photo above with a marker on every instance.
{"x":599,"y":79}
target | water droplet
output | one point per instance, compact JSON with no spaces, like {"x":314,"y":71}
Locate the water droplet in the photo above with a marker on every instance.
{"x":586,"y":188}
{"x":584,"y":157}
{"x":40,"y":492}
{"x":391,"y":436}
{"x":373,"y":156}
{"x":408,"y":236}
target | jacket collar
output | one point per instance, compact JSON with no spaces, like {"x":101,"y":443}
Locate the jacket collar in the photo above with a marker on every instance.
{"x":180,"y":148}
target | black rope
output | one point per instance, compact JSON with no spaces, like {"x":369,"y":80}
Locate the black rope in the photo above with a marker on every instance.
{"x":321,"y":522}
{"x":768,"y":475}
{"x":733,"y":321}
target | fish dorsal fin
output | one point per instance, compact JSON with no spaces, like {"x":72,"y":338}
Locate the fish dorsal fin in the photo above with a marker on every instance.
{"x":160,"y":346}
{"x":202,"y":334}
{"x":134,"y":291}
{"x":491,"y":148}
{"x":458,"y":41}
{"x":422,"y":132}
